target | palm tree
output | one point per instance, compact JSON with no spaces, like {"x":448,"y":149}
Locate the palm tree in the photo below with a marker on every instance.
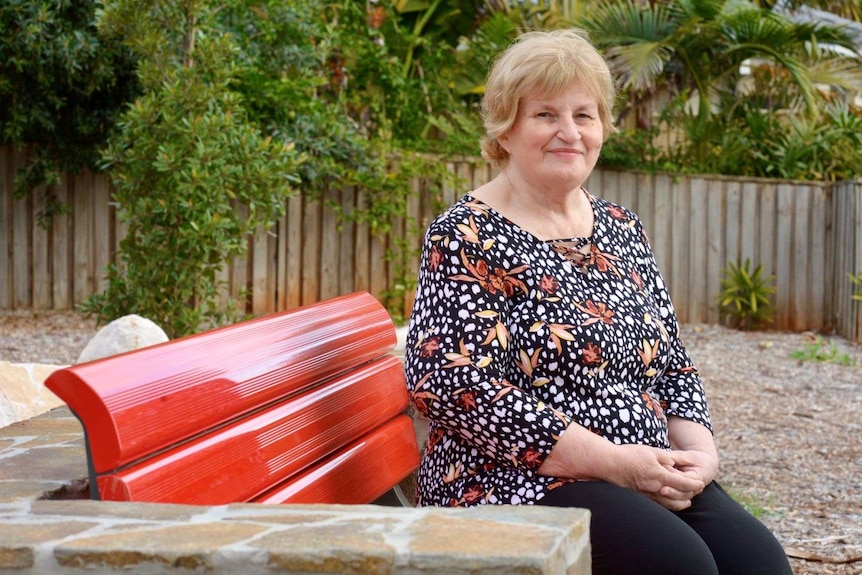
{"x":697,"y":47}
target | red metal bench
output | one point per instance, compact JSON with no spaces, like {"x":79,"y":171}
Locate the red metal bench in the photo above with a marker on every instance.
{"x":303,"y":406}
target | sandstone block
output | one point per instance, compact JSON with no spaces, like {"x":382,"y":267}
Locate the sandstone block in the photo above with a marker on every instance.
{"x":22,"y":393}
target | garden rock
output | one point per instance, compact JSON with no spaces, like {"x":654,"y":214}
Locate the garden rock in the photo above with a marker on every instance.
{"x":124,"y":334}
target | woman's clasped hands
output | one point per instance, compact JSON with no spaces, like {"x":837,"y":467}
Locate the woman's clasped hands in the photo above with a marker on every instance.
{"x":669,"y":477}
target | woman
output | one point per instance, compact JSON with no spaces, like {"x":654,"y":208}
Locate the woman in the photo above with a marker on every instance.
{"x":544,"y":349}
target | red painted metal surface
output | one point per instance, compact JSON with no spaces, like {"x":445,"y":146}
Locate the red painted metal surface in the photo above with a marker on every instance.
{"x":147,"y":400}
{"x":245,"y":458}
{"x":359,"y":473}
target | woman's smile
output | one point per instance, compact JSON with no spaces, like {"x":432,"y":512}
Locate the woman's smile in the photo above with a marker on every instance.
{"x":566,"y":152}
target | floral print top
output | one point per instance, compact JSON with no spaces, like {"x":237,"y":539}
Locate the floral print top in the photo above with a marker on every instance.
{"x":512,"y":338}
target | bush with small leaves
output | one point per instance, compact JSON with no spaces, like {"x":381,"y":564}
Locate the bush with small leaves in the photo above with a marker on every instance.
{"x":193,"y":178}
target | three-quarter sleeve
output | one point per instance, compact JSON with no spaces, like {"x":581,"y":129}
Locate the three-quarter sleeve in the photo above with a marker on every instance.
{"x":680,"y":389}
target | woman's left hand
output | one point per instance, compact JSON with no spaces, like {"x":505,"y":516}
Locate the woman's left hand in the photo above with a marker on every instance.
{"x":698,"y":464}
{"x":693,"y":448}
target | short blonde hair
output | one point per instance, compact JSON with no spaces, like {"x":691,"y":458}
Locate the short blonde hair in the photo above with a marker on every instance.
{"x":547,"y":62}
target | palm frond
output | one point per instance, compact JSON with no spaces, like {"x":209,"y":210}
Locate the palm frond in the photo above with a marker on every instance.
{"x":842,"y":73}
{"x":639,"y":65}
{"x":633,"y":39}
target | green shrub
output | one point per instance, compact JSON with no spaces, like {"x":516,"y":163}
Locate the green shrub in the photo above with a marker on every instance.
{"x":746,"y":295}
{"x":61,"y":89}
{"x":183,"y":162}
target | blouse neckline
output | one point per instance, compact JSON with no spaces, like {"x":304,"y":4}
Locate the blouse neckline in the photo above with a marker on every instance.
{"x":578,"y":241}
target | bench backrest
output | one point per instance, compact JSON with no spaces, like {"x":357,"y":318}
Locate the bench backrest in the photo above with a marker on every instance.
{"x":305,"y":405}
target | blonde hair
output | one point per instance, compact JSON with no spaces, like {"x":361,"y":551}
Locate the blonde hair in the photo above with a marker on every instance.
{"x":547,"y":62}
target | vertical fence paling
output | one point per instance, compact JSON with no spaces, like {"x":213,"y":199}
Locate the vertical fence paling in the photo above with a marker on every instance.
{"x":846,"y":238}
{"x":5,"y":227}
{"x":806,"y":234}
{"x":21,"y":224}
{"x":856,"y":314}
{"x":698,"y":221}
{"x":680,"y":232}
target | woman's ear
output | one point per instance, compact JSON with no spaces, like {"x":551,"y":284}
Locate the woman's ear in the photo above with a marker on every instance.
{"x":503,"y":141}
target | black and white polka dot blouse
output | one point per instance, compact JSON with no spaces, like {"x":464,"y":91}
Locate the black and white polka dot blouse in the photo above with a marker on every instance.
{"x":511,"y":338}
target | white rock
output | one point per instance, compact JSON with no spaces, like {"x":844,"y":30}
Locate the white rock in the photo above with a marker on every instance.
{"x":124,"y":334}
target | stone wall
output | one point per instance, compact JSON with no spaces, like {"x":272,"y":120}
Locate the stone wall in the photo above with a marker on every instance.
{"x":46,"y":528}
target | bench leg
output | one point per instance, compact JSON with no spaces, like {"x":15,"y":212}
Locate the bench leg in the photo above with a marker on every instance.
{"x":395,"y":497}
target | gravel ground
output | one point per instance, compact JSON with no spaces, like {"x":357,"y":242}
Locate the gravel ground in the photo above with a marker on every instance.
{"x":788,"y":435}
{"x":787,"y":429}
{"x":50,"y":337}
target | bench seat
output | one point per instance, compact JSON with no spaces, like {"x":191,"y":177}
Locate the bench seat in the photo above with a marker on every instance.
{"x":302,"y":406}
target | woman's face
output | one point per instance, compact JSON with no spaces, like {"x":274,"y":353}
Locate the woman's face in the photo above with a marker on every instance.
{"x":555,"y":142}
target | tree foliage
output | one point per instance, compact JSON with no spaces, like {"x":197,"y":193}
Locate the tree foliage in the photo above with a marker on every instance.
{"x":364,"y":92}
{"x":700,"y":47}
{"x":183,"y":161}
{"x":62,"y":87}
{"x":680,"y":64}
{"x":849,"y":9}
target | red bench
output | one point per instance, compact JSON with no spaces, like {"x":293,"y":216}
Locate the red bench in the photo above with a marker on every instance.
{"x":303,"y":406}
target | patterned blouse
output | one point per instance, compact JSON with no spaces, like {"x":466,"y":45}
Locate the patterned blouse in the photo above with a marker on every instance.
{"x":512,"y":338}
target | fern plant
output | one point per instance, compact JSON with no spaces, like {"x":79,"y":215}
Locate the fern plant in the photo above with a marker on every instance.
{"x":746,"y":295}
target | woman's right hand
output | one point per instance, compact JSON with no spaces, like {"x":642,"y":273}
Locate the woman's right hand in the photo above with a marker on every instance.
{"x":654,"y":473}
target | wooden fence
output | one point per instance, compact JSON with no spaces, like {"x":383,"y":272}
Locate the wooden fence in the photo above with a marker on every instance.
{"x":807,"y":234}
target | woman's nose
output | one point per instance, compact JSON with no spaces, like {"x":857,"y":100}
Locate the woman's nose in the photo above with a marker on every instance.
{"x":569,"y":129}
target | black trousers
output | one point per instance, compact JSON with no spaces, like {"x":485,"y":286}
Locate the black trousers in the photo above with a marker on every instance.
{"x":631,"y":534}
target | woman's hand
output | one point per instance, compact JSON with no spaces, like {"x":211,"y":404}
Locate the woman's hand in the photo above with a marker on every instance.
{"x":655,"y":473}
{"x":699,"y":464}
{"x":694,"y":448}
